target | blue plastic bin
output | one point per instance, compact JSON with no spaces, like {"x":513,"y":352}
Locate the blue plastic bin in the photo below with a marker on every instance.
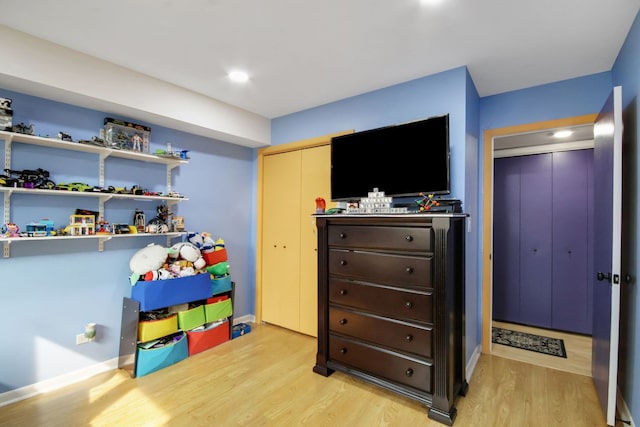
{"x":164,"y":293}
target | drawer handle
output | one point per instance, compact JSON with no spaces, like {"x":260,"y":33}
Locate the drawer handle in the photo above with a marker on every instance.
{"x":343,"y":291}
{"x":343,"y":321}
{"x":343,"y":262}
{"x":409,"y":238}
{"x":409,"y":337}
{"x":343,"y":350}
{"x":408,"y":304}
{"x":343,"y":236}
{"x":409,"y":270}
{"x":408,"y":372}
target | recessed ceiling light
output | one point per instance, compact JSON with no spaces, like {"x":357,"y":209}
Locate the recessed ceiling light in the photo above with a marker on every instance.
{"x":431,"y":2}
{"x":562,"y":134}
{"x":238,"y":76}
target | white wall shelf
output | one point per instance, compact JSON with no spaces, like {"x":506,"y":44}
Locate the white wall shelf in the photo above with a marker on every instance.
{"x":101,"y":238}
{"x":9,"y":137}
{"x":103,"y":153}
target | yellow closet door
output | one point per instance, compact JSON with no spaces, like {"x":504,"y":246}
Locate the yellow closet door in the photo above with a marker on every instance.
{"x":315,"y":182}
{"x":281,"y":240}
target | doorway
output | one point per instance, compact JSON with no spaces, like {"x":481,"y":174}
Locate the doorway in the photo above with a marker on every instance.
{"x":521,"y":139}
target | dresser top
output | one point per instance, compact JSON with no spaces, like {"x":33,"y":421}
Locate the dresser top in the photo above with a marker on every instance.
{"x":394,"y":215}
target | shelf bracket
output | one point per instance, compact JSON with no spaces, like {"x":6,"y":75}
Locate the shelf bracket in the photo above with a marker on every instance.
{"x":7,"y":208}
{"x":103,"y":156}
{"x":169,"y":178}
{"x":7,"y":152}
{"x":101,"y":201}
{"x":101,"y":241}
{"x":6,"y":252}
{"x":170,"y":240}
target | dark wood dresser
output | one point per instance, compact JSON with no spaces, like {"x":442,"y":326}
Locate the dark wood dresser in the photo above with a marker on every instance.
{"x":391,"y":304}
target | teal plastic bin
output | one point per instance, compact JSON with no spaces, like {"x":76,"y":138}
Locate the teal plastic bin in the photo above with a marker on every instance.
{"x":220,"y":285}
{"x":153,"y":359}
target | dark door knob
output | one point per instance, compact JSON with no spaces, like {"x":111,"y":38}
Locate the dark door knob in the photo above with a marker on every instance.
{"x":601,"y":276}
{"x":408,"y":372}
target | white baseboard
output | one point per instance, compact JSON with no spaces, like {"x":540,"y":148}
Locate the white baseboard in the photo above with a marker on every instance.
{"x":473,"y":361}
{"x":623,"y":410}
{"x":76,"y":376}
{"x":57,"y":382}
{"x":249,"y":318}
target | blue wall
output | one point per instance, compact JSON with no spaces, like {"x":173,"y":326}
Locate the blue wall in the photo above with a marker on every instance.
{"x":473,"y":208}
{"x":586,"y":95}
{"x":626,"y":73}
{"x":42,"y":284}
{"x":451,"y":92}
{"x":568,"y":98}
{"x":50,"y":290}
{"x":417,"y":99}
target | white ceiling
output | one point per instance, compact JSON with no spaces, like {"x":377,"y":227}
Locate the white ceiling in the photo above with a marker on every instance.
{"x":302,"y":54}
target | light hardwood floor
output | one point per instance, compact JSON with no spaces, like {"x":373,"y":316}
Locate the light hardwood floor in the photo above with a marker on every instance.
{"x":265,"y":378}
{"x":578,"y":348}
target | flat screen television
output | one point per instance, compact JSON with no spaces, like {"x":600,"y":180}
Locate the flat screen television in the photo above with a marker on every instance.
{"x":401,"y":160}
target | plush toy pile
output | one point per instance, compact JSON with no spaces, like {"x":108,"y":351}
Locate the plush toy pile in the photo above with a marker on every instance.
{"x":197,"y":255}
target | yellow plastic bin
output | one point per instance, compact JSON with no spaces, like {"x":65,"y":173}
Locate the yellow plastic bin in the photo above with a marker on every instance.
{"x":151,"y":329}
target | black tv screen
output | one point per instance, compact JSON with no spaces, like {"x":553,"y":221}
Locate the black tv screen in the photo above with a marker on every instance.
{"x":401,"y":160}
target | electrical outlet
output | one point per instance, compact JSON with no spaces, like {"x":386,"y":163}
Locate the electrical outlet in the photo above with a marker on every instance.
{"x":81,"y":339}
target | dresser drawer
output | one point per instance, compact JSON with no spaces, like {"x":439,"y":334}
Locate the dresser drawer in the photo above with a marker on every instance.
{"x":385,"y":332}
{"x":373,"y":237}
{"x":395,"y":367}
{"x":394,"y":302}
{"x":381,"y":268}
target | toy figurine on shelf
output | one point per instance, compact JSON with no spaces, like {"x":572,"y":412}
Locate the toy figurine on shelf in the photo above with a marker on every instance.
{"x":136,"y":142}
{"x":159,"y":223}
{"x":10,"y":229}
{"x":104,"y":227}
{"x":427,"y":202}
{"x":138,"y":220}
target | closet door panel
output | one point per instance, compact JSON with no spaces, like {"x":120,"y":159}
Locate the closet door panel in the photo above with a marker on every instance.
{"x":315,"y":182}
{"x":535,"y":240}
{"x":281,"y":240}
{"x":506,"y":240}
{"x":571,"y":298}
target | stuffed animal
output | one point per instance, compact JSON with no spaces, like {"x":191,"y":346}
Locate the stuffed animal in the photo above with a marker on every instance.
{"x":220,"y":269}
{"x":202,"y":241}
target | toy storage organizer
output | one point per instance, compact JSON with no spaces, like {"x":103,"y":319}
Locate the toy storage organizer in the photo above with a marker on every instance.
{"x":201,"y":312}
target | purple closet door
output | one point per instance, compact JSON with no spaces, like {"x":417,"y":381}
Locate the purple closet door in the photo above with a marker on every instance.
{"x":571,"y":297}
{"x":506,"y":240}
{"x":535,"y":240}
